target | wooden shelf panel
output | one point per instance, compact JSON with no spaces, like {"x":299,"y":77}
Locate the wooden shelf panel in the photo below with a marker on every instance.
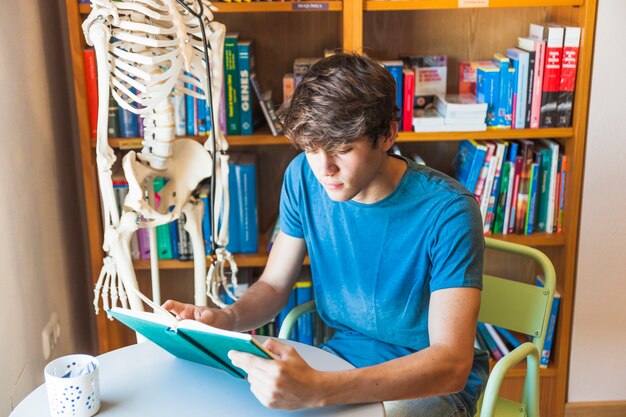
{"x":535,"y":240}
{"x":265,"y":138}
{"x":485,"y":135}
{"x":390,"y":5}
{"x":244,"y":260}
{"x":268,"y":7}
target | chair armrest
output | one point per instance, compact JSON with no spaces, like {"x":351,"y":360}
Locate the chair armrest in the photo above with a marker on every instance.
{"x":291,"y":318}
{"x":525,"y":351}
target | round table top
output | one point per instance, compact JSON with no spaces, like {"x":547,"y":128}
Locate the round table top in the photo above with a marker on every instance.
{"x":144,"y":380}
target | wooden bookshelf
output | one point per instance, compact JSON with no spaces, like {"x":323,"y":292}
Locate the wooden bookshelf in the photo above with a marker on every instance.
{"x":383,"y":29}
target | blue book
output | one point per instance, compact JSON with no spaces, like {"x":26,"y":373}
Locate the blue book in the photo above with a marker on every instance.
{"x":128,"y":123}
{"x":191,"y":113}
{"x":173,"y":226}
{"x":180,"y":119}
{"x":291,"y":303}
{"x":304,"y":294}
{"x":234,"y":220}
{"x":201,"y":121}
{"x":245,"y":66}
{"x":487,"y":90}
{"x":502,"y":63}
{"x":549,"y":340}
{"x":532,"y":198}
{"x":395,"y":68}
{"x":514,"y":88}
{"x":246,"y":188}
{"x":522,"y":70}
{"x":191,"y":340}
{"x":508,"y":336}
{"x":512,"y":151}
{"x":206,"y":223}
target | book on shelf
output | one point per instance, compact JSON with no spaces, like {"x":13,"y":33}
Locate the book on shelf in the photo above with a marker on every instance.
{"x":521,"y":60}
{"x":249,"y":108}
{"x":529,"y":222}
{"x":550,"y":226}
{"x":487,"y":87}
{"x":164,"y":241}
{"x":231,"y":77}
{"x":467,"y":76}
{"x":91,"y":85}
{"x":567,"y":82}
{"x":245,"y":179}
{"x":553,"y":36}
{"x":497,"y":339}
{"x":468,"y":162}
{"x":426,"y":118}
{"x":503,"y":109}
{"x":490,"y":344}
{"x":508,"y":337}
{"x":191,"y":340}
{"x":430,"y":77}
{"x":304,"y":294}
{"x":461,"y":107}
{"x":395,"y":67}
{"x":536,"y":47}
{"x":289,"y":85}
{"x":408,"y":92}
{"x":267,"y":106}
{"x":551,"y":330}
{"x":301,"y":66}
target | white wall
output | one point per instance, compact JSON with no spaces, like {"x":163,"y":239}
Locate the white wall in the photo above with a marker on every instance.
{"x":598,"y":356}
{"x":42,"y":256}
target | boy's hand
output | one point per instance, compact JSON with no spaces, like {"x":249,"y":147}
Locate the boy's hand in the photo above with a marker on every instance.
{"x":223,"y":319}
{"x":287,"y":382}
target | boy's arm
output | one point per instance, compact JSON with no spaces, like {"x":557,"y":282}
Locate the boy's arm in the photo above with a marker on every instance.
{"x":263,"y":300}
{"x":442,"y":368}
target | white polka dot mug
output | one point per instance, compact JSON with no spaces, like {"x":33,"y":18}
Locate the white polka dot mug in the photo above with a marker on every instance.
{"x":73,"y":386}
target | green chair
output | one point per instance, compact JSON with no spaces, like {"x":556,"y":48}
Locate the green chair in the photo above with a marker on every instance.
{"x":514,"y":306}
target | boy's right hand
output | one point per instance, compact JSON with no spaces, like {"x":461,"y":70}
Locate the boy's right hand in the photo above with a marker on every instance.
{"x":223,"y":319}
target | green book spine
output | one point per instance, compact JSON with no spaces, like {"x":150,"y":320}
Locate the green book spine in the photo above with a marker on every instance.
{"x":497,"y":227}
{"x":164,"y":241}
{"x":231,"y":75}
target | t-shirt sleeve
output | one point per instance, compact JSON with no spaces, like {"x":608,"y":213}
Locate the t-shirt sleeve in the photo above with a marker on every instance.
{"x":290,"y":222}
{"x":457,"y":245}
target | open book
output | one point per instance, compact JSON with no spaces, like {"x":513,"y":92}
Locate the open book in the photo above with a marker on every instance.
{"x":191,"y":340}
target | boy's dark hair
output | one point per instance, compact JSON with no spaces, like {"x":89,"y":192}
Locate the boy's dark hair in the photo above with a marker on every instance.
{"x":341,"y":98}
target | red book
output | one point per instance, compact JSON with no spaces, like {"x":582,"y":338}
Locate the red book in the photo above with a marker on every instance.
{"x":553,"y":35}
{"x":91,"y":82}
{"x":569,"y":65}
{"x":408,"y":95}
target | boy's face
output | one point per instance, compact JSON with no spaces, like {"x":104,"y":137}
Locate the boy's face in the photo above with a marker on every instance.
{"x":353,"y":172}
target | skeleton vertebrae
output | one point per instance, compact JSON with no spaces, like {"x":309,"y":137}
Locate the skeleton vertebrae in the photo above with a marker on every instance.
{"x":146,"y":49}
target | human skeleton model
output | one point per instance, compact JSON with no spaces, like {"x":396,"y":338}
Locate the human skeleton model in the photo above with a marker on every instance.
{"x":145,"y":49}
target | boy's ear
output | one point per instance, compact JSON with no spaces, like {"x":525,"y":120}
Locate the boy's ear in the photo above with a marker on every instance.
{"x":388,"y":141}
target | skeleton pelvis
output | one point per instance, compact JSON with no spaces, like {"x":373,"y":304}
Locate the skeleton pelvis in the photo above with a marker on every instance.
{"x":189,"y":164}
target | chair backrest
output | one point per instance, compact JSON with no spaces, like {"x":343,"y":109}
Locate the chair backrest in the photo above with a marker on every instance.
{"x":515,"y":305}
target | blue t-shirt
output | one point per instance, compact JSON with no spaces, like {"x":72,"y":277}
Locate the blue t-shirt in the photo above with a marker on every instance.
{"x":374,"y":266}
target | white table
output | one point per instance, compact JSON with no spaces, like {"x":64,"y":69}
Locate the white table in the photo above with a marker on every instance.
{"x":143,"y":380}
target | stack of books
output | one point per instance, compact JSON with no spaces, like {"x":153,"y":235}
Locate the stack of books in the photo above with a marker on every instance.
{"x":452,"y":113}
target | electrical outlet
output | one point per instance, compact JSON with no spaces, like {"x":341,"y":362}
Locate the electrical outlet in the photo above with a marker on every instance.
{"x":50,"y":335}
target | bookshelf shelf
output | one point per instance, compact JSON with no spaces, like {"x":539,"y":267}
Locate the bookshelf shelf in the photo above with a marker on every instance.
{"x":263,"y":7}
{"x":486,"y":135}
{"x":519,"y":370}
{"x":391,"y":5}
{"x":263,"y":137}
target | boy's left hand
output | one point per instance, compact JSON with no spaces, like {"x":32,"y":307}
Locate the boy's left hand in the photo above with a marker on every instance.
{"x":287,"y":382}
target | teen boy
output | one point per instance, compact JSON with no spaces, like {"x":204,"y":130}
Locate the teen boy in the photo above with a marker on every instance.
{"x":396,"y":255}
